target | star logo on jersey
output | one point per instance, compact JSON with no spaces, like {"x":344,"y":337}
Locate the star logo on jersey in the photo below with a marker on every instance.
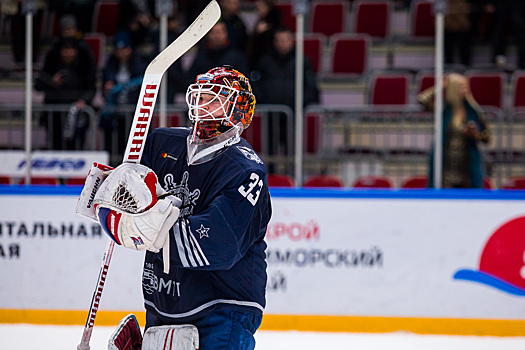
{"x":250,"y":154}
{"x":203,"y":231}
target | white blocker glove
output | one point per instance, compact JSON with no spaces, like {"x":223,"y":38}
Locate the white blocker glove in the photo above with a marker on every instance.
{"x":129,"y":209}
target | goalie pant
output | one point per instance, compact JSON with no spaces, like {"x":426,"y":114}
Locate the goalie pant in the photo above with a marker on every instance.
{"x":217,"y":245}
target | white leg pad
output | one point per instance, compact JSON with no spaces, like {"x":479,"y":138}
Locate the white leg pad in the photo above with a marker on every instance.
{"x":174,"y":337}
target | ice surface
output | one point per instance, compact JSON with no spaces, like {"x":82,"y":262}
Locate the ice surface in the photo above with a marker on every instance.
{"x":24,"y":337}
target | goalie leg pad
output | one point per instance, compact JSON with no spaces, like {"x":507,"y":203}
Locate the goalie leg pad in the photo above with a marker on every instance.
{"x":127,"y":336}
{"x":180,"y":337}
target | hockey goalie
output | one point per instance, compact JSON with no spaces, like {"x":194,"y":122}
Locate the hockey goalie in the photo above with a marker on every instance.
{"x":199,"y":205}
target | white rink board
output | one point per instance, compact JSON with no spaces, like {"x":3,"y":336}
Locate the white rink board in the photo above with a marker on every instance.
{"x":421,"y":244}
{"x":60,"y":272}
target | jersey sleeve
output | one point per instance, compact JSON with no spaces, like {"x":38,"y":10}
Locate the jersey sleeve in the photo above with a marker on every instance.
{"x":218,"y":237}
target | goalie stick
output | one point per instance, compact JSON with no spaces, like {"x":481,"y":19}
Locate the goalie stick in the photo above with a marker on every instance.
{"x":140,"y":126}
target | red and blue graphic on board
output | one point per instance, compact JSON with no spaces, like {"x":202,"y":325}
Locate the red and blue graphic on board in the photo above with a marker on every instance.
{"x":502,"y":263}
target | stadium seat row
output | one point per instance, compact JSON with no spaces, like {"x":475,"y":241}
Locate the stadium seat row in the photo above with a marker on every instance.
{"x":372,"y":181}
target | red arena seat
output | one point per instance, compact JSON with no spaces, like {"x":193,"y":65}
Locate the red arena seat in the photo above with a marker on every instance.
{"x":487,"y":183}
{"x":5,"y":180}
{"x":372,"y":18}
{"x":371,"y":181}
{"x":487,"y":87}
{"x":312,"y":129}
{"x":42,"y":180}
{"x":254,"y":133}
{"x":389,"y":89}
{"x":323,"y":181}
{"x":75,"y":181}
{"x":105,"y":17}
{"x":514,"y":183}
{"x":417,"y":181}
{"x":328,"y":18}
{"x":424,"y":80}
{"x":97,"y":43}
{"x":518,"y":88}
{"x":280,"y":180}
{"x":349,"y":54}
{"x":287,"y":15}
{"x":422,"y":19}
{"x":313,"y":49}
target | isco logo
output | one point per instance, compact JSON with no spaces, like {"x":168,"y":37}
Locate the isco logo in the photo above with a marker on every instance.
{"x":502,"y":263}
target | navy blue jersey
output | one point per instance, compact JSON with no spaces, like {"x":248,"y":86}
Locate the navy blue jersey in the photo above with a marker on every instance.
{"x":217,"y":245}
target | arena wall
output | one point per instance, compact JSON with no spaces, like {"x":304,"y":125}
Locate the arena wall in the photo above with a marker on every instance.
{"x":442,"y":262}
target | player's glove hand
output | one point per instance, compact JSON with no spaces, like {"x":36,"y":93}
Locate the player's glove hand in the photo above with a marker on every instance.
{"x":96,"y":176}
{"x":130,"y":211}
{"x":147,"y":230}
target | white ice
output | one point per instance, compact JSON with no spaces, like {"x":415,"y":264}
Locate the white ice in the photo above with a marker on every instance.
{"x":25,"y":337}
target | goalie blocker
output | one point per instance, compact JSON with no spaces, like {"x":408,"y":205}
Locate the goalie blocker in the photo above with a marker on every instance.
{"x":127,"y":336}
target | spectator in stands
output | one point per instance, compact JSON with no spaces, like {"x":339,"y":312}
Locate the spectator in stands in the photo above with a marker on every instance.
{"x":67,"y":79}
{"x":261,"y":40}
{"x":122,"y":78}
{"x":274,"y":83}
{"x":14,"y":10}
{"x":464,"y":127}
{"x":136,"y":17}
{"x":502,"y":11}
{"x":217,"y":51}
{"x":234,"y":24}
{"x":458,"y":32}
{"x":82,"y":10}
{"x":275,"y":73}
{"x":69,"y":30}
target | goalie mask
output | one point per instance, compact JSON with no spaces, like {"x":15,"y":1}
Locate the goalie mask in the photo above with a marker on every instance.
{"x":221,"y":105}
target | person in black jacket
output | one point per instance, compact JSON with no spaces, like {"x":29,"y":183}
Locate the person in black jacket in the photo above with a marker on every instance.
{"x":234,"y":23}
{"x":69,"y":30}
{"x":261,"y":39}
{"x":503,"y":11}
{"x":137,"y":17}
{"x":216,"y":52}
{"x":275,"y":84}
{"x":276,"y":73}
{"x":121,"y":81}
{"x":68,"y":77}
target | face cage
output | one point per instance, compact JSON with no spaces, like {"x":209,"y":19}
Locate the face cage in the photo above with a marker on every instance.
{"x":224,"y":95}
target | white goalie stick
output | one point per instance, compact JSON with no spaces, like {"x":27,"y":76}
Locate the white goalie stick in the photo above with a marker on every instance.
{"x":140,"y":126}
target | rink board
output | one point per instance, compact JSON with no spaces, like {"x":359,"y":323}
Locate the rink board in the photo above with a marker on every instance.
{"x":369,"y":261}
